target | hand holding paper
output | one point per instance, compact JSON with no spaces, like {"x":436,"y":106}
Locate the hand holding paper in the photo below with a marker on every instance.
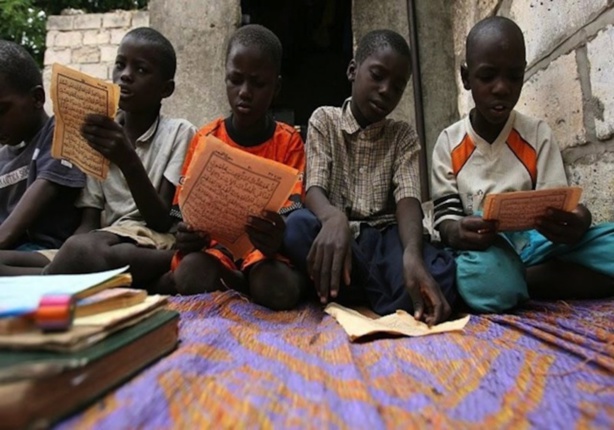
{"x":75,"y":95}
{"x":520,"y":210}
{"x":224,"y":186}
{"x":109,"y":138}
{"x":565,"y":227}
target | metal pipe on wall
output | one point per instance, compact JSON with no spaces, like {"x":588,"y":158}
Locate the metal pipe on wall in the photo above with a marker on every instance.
{"x":418,"y":103}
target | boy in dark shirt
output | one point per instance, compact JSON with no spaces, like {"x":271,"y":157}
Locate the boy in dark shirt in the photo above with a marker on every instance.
{"x":37,"y":192}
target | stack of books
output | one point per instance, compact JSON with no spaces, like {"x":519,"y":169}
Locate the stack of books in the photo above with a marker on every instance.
{"x":65,"y":340}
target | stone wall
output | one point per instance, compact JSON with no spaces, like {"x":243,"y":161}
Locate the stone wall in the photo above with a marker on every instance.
{"x":569,"y":82}
{"x":88,"y":42}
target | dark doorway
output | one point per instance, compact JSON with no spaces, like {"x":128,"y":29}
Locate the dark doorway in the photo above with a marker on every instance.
{"x":317,"y":42}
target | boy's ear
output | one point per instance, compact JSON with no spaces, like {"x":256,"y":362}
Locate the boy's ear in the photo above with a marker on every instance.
{"x":278,"y":86}
{"x":38,"y":95}
{"x":464,"y":71}
{"x":168,"y":89}
{"x":351,"y":71}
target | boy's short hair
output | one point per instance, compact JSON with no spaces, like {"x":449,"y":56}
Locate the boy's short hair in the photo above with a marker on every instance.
{"x":376,"y":40}
{"x":260,"y":37}
{"x":168,"y":57}
{"x":489,"y":24}
{"x":18,"y":67}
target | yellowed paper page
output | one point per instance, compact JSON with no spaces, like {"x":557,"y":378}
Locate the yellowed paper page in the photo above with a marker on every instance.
{"x":75,"y":95}
{"x":225,"y":185}
{"x":358,"y":325}
{"x":518,"y":210}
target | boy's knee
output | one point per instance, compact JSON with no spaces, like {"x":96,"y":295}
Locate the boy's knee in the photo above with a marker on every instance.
{"x":442,"y":267}
{"x":301,"y":225}
{"x":197,"y":273}
{"x":275,"y":285}
{"x":491,"y":280}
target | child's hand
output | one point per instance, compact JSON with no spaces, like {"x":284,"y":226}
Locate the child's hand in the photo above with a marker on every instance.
{"x":430,"y":305}
{"x":330,"y":257}
{"x":471,"y":233}
{"x":565,"y":227}
{"x":266,"y":232}
{"x":189,"y":240}
{"x":109,"y":138}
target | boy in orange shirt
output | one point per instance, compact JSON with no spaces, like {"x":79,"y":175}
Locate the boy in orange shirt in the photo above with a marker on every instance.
{"x":253,"y":63}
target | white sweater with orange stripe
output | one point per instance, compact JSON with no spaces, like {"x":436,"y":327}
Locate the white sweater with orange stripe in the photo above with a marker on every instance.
{"x":466,"y":167}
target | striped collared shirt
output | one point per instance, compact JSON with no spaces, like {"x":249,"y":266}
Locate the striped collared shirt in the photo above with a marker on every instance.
{"x":364,"y":172}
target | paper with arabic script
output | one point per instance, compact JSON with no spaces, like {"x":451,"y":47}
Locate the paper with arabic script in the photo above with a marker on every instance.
{"x":75,"y":95}
{"x":518,"y":210}
{"x":357,"y":324}
{"x":225,"y":185}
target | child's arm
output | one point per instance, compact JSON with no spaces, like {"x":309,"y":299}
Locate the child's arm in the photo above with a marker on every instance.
{"x":90,"y":220}
{"x":457,"y":230}
{"x":108,"y":137}
{"x":266,"y":230}
{"x":565,"y":227}
{"x":470,"y":233}
{"x":429,"y":302}
{"x":31,"y":205}
{"x":558,"y":226}
{"x":330,"y":256}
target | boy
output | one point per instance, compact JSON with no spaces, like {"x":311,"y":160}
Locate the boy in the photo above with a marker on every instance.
{"x":37,"y":192}
{"x":363,"y":225}
{"x":146,"y":150}
{"x":497,"y":149}
{"x":253,"y":64}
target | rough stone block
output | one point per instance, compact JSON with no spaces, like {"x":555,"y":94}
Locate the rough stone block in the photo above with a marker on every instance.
{"x":601,"y":59}
{"x":117,"y":34}
{"x":60,"y":22}
{"x":96,"y":70}
{"x":61,"y":56}
{"x":96,"y":37}
{"x":595,"y":174}
{"x":87,"y":21}
{"x":72,"y":39}
{"x":110,"y":68}
{"x":86,"y":55}
{"x":555,"y":95}
{"x":140,"y":19}
{"x":119,"y":19}
{"x":547,"y":23}
{"x":108,"y":53}
{"x":50,"y":38}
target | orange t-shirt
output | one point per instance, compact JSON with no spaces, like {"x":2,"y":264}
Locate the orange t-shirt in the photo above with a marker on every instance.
{"x":285,"y":146}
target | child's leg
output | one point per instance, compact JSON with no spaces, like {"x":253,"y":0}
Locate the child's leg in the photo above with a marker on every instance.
{"x":99,"y":251}
{"x":382,"y":253}
{"x":492,"y":280}
{"x":559,"y":280}
{"x":15,"y":263}
{"x":276,"y":285}
{"x":200,"y":272}
{"x":584,"y":270}
{"x":83,"y":253}
{"x":302,"y":228}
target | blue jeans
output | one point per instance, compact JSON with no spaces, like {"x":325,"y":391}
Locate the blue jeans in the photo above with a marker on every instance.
{"x":377,"y":262}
